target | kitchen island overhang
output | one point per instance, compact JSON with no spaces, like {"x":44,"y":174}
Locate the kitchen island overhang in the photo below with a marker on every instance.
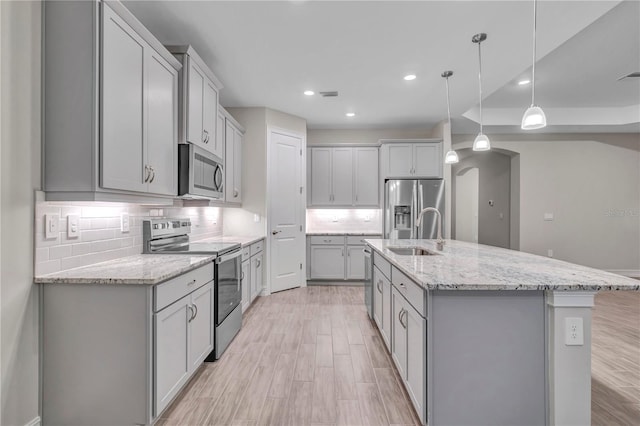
{"x":507,"y":334}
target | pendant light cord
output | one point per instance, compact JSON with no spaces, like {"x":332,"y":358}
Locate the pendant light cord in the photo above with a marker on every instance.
{"x":533,"y":68}
{"x":448,"y":107}
{"x":480,"y":80}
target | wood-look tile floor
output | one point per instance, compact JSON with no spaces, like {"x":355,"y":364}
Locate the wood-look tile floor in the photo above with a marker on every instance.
{"x":304,"y":356}
{"x":615,"y":359}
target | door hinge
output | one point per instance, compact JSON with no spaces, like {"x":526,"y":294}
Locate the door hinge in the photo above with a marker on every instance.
{"x":301,"y":266}
{"x":300,"y":153}
{"x":300,"y":228}
{"x":301,"y":190}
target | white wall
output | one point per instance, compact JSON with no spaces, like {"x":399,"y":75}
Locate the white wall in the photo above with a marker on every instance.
{"x":591,"y":183}
{"x":20,"y":170}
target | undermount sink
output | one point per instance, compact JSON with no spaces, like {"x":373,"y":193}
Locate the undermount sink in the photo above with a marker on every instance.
{"x":412,"y":251}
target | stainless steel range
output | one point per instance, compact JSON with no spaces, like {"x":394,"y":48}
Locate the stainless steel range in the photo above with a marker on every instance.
{"x":171,"y":236}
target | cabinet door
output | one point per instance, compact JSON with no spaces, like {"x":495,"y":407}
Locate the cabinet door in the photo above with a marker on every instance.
{"x":162,"y":143}
{"x":229,"y":162}
{"x":123,"y":77}
{"x":237,"y":166}
{"x":201,"y":325}
{"x":209,"y":116}
{"x":386,"y":311}
{"x":427,"y":161}
{"x":365,"y":176}
{"x":320,"y":176}
{"x":246,"y":284}
{"x":195,"y":105}
{"x":416,"y":359}
{"x":171,"y":367}
{"x":399,"y":160}
{"x":327,"y":262}
{"x":355,"y":262}
{"x":398,"y":333}
{"x":219,"y":142}
{"x":377,"y":297}
{"x":342,"y":176}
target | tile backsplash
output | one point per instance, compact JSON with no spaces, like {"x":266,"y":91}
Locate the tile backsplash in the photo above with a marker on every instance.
{"x":101,"y":238}
{"x":344,"y":220}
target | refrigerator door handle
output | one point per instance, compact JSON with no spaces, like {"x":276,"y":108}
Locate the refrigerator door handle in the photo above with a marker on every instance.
{"x":420,"y":231}
{"x":414,"y":202}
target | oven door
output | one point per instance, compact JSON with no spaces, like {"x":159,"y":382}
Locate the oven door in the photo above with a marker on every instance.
{"x":228,"y":268}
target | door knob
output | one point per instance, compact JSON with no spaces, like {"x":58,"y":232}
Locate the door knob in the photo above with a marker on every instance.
{"x":275,"y":232}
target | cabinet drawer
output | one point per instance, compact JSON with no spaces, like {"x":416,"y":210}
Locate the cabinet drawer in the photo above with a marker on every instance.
{"x":329,"y":239}
{"x":246,"y":252}
{"x":257,"y":247}
{"x":411,"y":291}
{"x":382,"y":264}
{"x":176,"y":288}
{"x":359,"y":240}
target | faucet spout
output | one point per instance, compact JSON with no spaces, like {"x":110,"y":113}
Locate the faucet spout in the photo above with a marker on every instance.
{"x":439,"y":240}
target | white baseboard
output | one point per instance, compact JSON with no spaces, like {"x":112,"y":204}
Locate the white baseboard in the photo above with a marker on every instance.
{"x":631,"y":273}
{"x":35,"y":422}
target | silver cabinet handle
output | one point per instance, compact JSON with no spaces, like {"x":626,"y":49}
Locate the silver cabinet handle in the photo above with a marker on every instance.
{"x":153,"y":174}
{"x":190,"y":307}
{"x":402,"y":285}
{"x":258,"y":263}
{"x":378,"y":286}
{"x":191,"y":282}
{"x":196,"y":313}
{"x":327,"y":241}
{"x":147,"y":173}
{"x":342,"y":252}
{"x":242,"y":276}
{"x":206,"y":137}
{"x":404,"y":324}
{"x":275,"y":232}
{"x":400,"y":316}
{"x":235,"y":192}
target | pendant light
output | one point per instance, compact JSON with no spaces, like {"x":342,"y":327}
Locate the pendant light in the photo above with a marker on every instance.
{"x":481,"y":143}
{"x":451,"y":157}
{"x":534,"y":117}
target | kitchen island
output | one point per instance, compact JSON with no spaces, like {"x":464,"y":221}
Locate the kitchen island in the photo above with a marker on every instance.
{"x":484,"y":335}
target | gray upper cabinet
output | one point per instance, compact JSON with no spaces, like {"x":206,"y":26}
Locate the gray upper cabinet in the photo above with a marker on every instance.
{"x":343,"y":177}
{"x":110,"y":106}
{"x":198,"y":92}
{"x":413,"y":159}
{"x":233,"y":137}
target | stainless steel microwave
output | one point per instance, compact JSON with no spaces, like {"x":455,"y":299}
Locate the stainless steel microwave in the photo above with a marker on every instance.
{"x":200,"y":173}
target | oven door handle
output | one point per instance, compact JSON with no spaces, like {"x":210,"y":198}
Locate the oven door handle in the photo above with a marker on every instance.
{"x":229,"y":256}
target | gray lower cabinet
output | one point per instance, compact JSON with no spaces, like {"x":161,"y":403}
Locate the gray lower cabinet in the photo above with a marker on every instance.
{"x":256,"y":275}
{"x":336,"y":257}
{"x":327,"y":262}
{"x":119,"y":354}
{"x":355,"y":262}
{"x":252,"y":270}
{"x":382,"y":305}
{"x":246,"y":284}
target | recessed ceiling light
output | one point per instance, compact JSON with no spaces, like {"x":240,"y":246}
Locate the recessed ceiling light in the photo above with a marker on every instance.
{"x":410,"y":77}
{"x":309,"y":92}
{"x":523,"y":82}
{"x":351,"y":114}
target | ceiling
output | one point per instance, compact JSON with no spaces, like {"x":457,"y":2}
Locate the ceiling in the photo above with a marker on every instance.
{"x":268,"y":52}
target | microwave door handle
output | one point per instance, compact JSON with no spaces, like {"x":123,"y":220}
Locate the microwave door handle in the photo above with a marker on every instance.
{"x":217,"y":178}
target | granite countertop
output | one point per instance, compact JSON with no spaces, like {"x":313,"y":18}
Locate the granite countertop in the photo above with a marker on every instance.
{"x":469,"y":266}
{"x":243,"y":240}
{"x":328,"y":233}
{"x":145,"y":269}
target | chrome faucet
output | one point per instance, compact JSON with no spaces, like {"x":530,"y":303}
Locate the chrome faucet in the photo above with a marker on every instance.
{"x":439,"y":240}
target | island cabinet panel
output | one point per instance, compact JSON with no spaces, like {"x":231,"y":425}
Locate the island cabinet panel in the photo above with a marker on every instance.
{"x":416,"y":328}
{"x":398,"y":333}
{"x":377,"y":297}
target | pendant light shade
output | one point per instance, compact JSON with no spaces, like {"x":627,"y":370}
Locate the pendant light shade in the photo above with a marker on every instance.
{"x":451,"y":157}
{"x":534,"y":117}
{"x":481,"y":143}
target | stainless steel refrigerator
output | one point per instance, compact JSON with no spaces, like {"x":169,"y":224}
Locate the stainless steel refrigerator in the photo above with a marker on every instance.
{"x":404,"y":199}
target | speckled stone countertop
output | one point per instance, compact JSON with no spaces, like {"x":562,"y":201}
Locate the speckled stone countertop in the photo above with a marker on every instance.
{"x":347,"y":233}
{"x":145,"y":269}
{"x":243,"y":240}
{"x":468,"y":266}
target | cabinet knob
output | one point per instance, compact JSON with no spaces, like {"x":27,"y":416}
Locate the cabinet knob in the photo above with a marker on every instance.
{"x":235,"y":192}
{"x":275,"y":232}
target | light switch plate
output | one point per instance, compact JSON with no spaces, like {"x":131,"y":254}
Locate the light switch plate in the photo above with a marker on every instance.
{"x":124,"y":222}
{"x":51,"y":226}
{"x":73,"y":226}
{"x":548,"y":216}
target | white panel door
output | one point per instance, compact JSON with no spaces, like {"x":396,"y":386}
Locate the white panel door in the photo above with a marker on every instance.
{"x":365,"y":176}
{"x":327,"y":262}
{"x":342,"y":176}
{"x":399,"y":160}
{"x":427,"y":161}
{"x":209,"y":116}
{"x":195,"y":105}
{"x":122,"y":145}
{"x":171,"y":368}
{"x":320,"y":176}
{"x":201,"y":325}
{"x":398,"y":333}
{"x":286,"y":209}
{"x":229,"y":162}
{"x":355,"y":262}
{"x":162,"y":137}
{"x":246,"y":284}
{"x":416,"y":358}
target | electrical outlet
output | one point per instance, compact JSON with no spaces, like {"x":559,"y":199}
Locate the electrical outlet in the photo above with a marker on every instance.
{"x":73,"y":226}
{"x":51,"y":226}
{"x":550,"y":252}
{"x":574,"y":332}
{"x":367,"y":217}
{"x":256,"y":218}
{"x":548,"y":216}
{"x":124,"y":222}
{"x":334,"y":218}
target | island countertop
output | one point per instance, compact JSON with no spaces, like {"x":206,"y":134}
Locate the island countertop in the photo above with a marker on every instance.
{"x":468,"y":266}
{"x":145,"y":269}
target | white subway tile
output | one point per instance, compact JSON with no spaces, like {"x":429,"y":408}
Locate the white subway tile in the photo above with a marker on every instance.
{"x":42,"y":254}
{"x":126,"y":242}
{"x":99,"y":223}
{"x":105,"y":245}
{"x":97,"y":234}
{"x":81,"y":248}
{"x":60,"y":252}
{"x":47,"y":267}
{"x":85,"y":223}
